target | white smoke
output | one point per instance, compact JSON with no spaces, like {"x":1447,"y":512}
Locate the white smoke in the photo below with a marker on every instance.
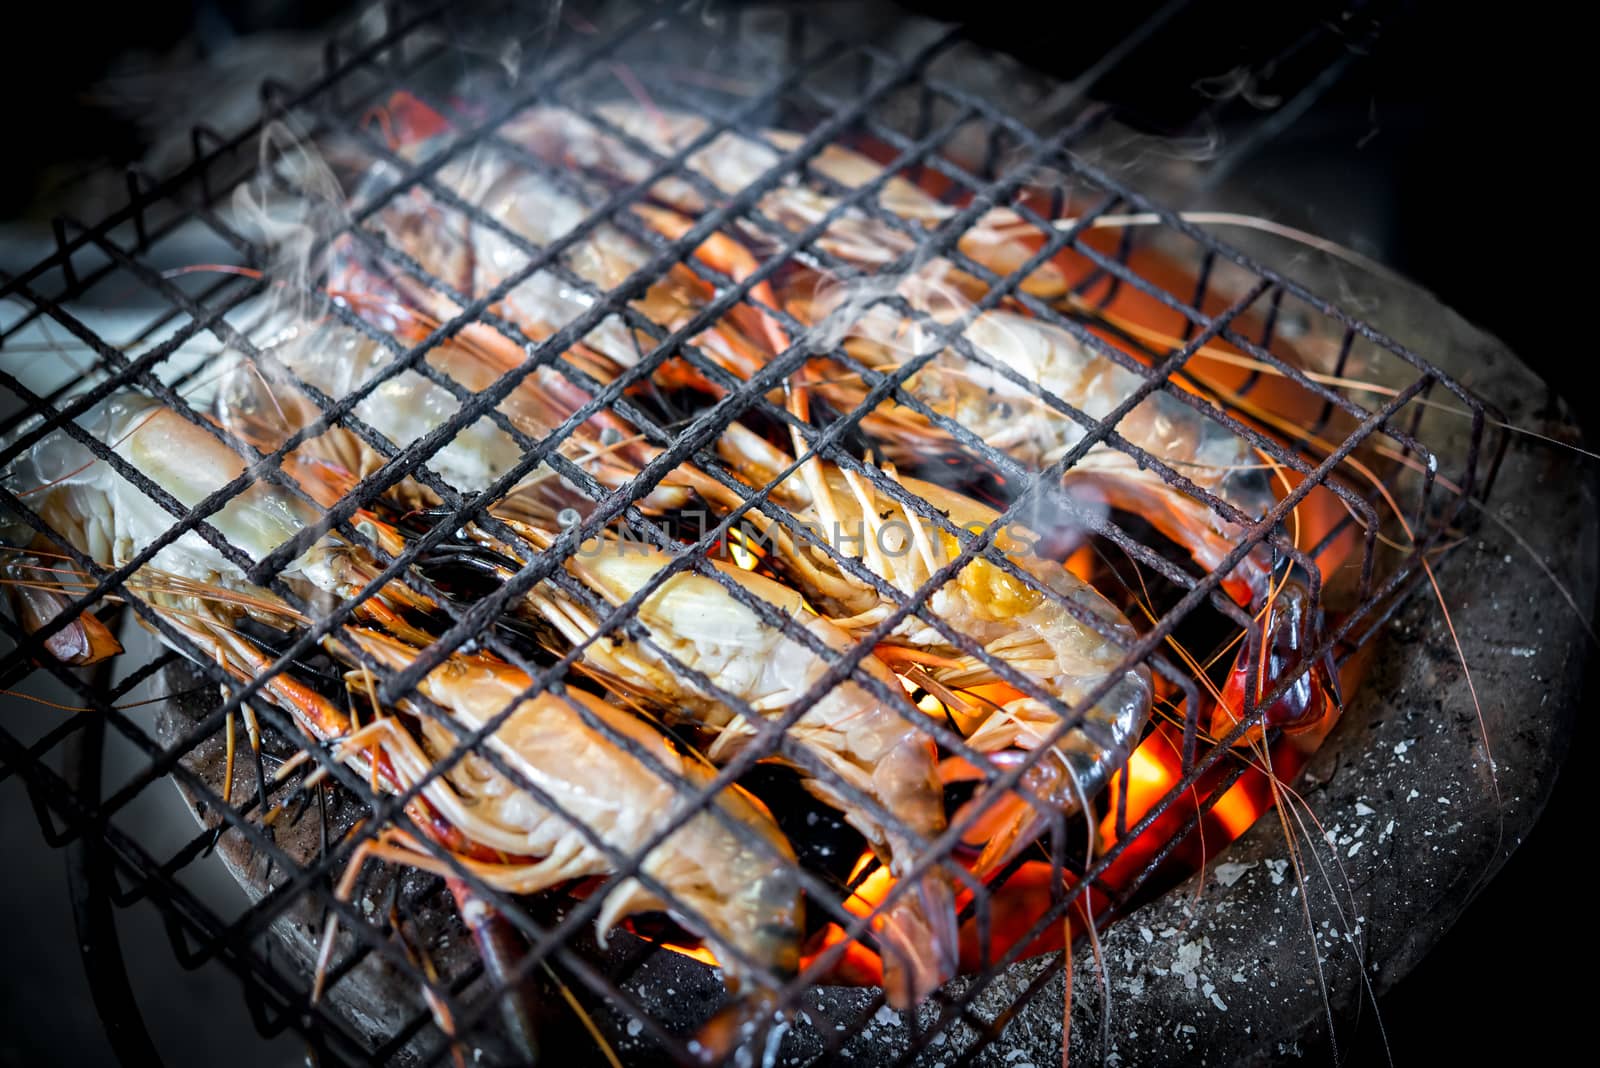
{"x":1241,"y":83}
{"x":861,"y":308}
{"x":291,"y":209}
{"x":978,"y":392}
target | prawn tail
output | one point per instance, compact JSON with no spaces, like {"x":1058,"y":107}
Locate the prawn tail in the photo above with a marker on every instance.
{"x":1020,"y":824}
{"x":918,"y":940}
{"x":1009,"y":823}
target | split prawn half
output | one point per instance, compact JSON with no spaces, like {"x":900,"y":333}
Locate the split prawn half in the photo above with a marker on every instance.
{"x":869,"y":739}
{"x":110,"y":519}
{"x":1054,"y":634}
{"x":264,"y":401}
{"x":744,"y":898}
{"x":1006,"y":397}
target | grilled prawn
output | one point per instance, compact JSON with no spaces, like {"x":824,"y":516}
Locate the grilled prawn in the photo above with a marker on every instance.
{"x":743,"y":898}
{"x":995,"y":397}
{"x":200,"y":592}
{"x":262,"y":401}
{"x":1029,"y":613}
{"x":110,"y":519}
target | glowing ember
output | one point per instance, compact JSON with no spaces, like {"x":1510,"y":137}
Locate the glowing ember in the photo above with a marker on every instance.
{"x":699,"y":953}
{"x":740,"y":552}
{"x":1153,"y":769}
{"x":1238,"y":810}
{"x":1014,"y":908}
{"x":1081,"y":562}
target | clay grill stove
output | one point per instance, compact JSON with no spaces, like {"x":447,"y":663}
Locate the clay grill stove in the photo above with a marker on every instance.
{"x":930,"y":102}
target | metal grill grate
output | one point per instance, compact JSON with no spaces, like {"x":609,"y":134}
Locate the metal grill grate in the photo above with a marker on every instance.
{"x":906,"y":100}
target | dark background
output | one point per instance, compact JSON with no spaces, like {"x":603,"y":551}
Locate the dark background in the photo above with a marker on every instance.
{"x":1443,"y":148}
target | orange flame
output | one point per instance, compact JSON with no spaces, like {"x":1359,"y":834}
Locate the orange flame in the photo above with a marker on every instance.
{"x":857,"y":965}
